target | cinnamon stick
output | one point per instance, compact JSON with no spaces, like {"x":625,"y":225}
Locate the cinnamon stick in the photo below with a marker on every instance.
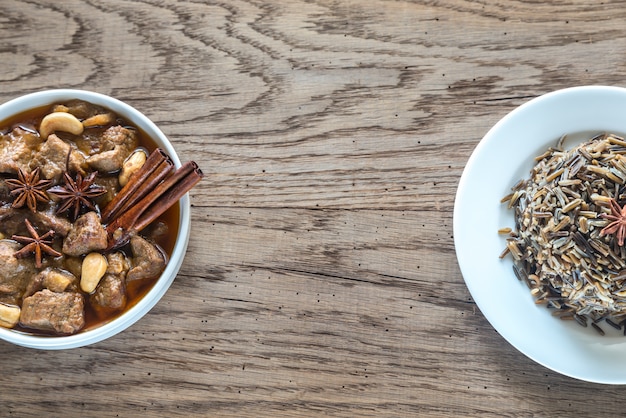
{"x":168,"y":198}
{"x":161,"y":172}
{"x":157,"y":165}
{"x":154,"y":203}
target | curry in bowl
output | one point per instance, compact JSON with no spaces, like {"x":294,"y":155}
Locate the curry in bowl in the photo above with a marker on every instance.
{"x":88,"y":217}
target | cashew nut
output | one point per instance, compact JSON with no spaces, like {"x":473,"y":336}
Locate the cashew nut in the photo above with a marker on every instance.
{"x":131,"y":166}
{"x":9,"y":315}
{"x":99,"y":120}
{"x":60,"y":121}
{"x":94,"y":267}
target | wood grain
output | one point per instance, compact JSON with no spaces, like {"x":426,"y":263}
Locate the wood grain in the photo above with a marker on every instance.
{"x":321,"y":277}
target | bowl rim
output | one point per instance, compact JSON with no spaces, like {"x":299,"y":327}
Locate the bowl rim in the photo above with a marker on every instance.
{"x":160,"y":287}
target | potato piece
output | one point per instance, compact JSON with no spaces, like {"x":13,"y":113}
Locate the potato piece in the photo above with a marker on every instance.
{"x":9,"y":315}
{"x":99,"y":120}
{"x":60,"y":108}
{"x":58,"y":281}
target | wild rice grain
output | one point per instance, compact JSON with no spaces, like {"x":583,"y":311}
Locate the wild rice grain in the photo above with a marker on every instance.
{"x":597,"y":328}
{"x":613,"y":324}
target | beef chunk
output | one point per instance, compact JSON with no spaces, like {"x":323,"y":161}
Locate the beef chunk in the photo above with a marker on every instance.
{"x":52,"y":158}
{"x":110,"y":293}
{"x":16,"y":150}
{"x":117,"y":144}
{"x":6,"y":212}
{"x":80,"y":109}
{"x":148,"y":260}
{"x":117,"y":264}
{"x":5,"y":192}
{"x":87,"y":234}
{"x":112,"y":186}
{"x":49,"y":220}
{"x":62,"y":313}
{"x":156,"y":231}
{"x":34,"y":286}
{"x":54,"y":279}
{"x":12,"y":221}
{"x":15,"y":274}
{"x":73,"y":264}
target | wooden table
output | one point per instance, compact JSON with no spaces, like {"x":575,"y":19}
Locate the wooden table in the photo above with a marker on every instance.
{"x":321,"y":276}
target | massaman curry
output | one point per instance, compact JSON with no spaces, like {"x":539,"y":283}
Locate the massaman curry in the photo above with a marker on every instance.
{"x":88,"y":216}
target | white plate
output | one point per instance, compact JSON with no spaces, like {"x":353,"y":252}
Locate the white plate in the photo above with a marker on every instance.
{"x":502,"y":157}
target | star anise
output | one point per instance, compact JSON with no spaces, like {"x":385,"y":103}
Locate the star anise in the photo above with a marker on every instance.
{"x":618,"y":224}
{"x":35,"y":244}
{"x":29,"y":189}
{"x":77,"y":193}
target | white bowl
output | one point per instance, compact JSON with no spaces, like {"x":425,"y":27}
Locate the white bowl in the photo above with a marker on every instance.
{"x":142,"y":307}
{"x":502,"y":157}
